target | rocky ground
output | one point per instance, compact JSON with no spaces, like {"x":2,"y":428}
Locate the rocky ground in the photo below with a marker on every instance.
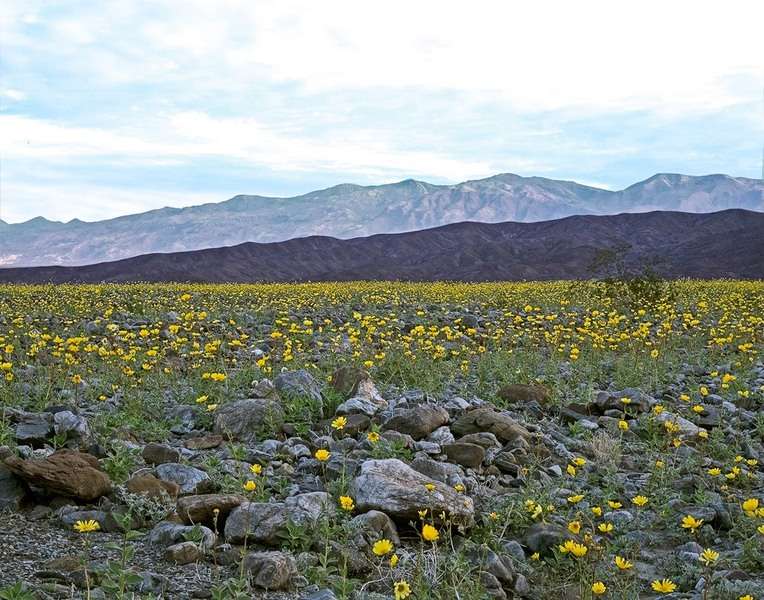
{"x":458,"y":459}
{"x":544,"y":479}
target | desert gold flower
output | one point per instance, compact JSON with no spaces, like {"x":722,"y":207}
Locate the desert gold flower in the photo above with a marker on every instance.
{"x":605,"y":527}
{"x":347,"y":503}
{"x":256,"y":468}
{"x":691,"y":523}
{"x":394,"y":561}
{"x":382,"y":547}
{"x":574,"y":548}
{"x":250,"y":485}
{"x":575,"y":499}
{"x":623,"y":425}
{"x":402,"y":590}
{"x":622,"y":563}
{"x":373,"y":437}
{"x":750,"y":506}
{"x":639,"y":500}
{"x":339,"y":423}
{"x":87,"y":526}
{"x":665,"y":586}
{"x":598,"y":588}
{"x":597,"y":511}
{"x":574,"y":527}
{"x":709,"y":556}
{"x":430,"y":534}
{"x":614,"y":504}
{"x":322,"y":454}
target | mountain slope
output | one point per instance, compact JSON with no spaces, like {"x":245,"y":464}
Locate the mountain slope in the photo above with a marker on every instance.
{"x":722,"y":244}
{"x":347,"y":211}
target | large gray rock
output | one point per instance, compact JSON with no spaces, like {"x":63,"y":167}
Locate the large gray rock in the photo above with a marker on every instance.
{"x":418,"y":422}
{"x":264,"y":522}
{"x":190,"y":480}
{"x":33,"y":428}
{"x":396,"y":489}
{"x":245,"y":419}
{"x":487,"y":418}
{"x":69,"y":426}
{"x":271,"y":570}
{"x":299,"y":384}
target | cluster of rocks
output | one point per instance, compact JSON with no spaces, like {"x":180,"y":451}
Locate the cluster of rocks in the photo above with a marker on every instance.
{"x":454,"y":457}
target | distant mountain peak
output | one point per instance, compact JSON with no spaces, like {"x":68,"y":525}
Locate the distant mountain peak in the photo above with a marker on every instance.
{"x":349,"y":210}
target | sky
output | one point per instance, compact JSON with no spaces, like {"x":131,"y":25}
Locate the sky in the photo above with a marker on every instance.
{"x":112,"y":107}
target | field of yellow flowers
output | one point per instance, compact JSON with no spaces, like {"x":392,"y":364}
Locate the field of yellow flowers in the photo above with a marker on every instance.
{"x":382,"y":440}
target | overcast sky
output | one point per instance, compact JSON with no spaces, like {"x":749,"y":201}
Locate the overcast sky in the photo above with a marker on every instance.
{"x":112,"y":107}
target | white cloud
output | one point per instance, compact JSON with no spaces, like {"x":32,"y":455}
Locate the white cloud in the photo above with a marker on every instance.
{"x":189,"y":135}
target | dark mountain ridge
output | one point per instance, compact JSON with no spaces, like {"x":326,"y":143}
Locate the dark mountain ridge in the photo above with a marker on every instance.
{"x":728,"y":243}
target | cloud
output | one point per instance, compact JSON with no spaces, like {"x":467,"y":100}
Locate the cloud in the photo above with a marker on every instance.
{"x":251,"y":93}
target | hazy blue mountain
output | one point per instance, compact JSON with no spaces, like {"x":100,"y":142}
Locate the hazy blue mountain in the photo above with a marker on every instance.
{"x":347,"y":211}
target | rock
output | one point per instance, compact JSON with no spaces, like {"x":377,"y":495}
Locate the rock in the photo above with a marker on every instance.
{"x":542,"y":536}
{"x":396,"y":489}
{"x":484,"y":439}
{"x":68,"y":426}
{"x":419,"y":421}
{"x":167,"y":533}
{"x":33,"y":428}
{"x":206,"y":442}
{"x":444,"y":472}
{"x":149,"y":485}
{"x":686,"y":428}
{"x":183,"y":553}
{"x":299,"y":384}
{"x":487,"y":418}
{"x":184,"y":418}
{"x":153,"y":583}
{"x":467,"y":455}
{"x":244,"y":419}
{"x":518,"y":393}
{"x":12,"y":490}
{"x":158,"y":454}
{"x":639,"y":402}
{"x":66,"y":472}
{"x":264,"y":522}
{"x":271,"y":570}
{"x":362,"y":406}
{"x":190,"y":480}
{"x":324,"y":594}
{"x":492,"y":586}
{"x":200,"y":508}
{"x":372,"y":526}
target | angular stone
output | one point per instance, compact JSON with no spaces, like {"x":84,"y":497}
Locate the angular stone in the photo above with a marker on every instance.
{"x":542,"y":536}
{"x":245,"y":419}
{"x":418,"y":422}
{"x":149,"y":485}
{"x":396,"y":489}
{"x":190,"y":480}
{"x":467,"y":455}
{"x":69,"y":426}
{"x":271,"y":570}
{"x":264,"y":522}
{"x":157,"y":454}
{"x":206,"y":442}
{"x":487,"y":418}
{"x":201,"y":508}
{"x":518,"y":393}
{"x":66,"y":472}
{"x":183,"y":553}
{"x":33,"y":428}
{"x":167,"y":533}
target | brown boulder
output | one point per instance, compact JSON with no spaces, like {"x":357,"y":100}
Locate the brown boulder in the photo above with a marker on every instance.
{"x":66,"y":472}
{"x":200,"y":508}
{"x":149,"y":485}
{"x":518,"y":393}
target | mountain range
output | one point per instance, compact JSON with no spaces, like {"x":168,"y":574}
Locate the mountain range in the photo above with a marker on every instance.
{"x":349,"y":211}
{"x":722,"y":244}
